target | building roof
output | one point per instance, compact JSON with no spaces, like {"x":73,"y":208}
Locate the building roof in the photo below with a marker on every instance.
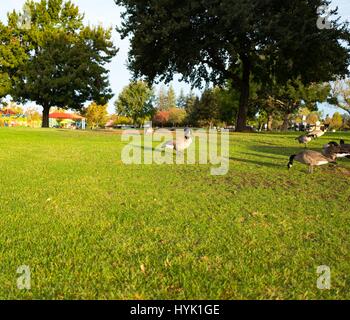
{"x":65,"y":116}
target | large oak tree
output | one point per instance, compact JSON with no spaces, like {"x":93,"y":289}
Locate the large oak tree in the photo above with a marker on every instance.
{"x":65,"y":63}
{"x":219,"y":40}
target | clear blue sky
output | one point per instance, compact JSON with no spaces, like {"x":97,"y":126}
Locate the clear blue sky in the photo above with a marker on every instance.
{"x":107,"y":13}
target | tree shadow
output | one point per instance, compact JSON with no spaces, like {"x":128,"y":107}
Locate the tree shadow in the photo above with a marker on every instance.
{"x":250,"y":154}
{"x":280,"y":151}
{"x":275,"y":156}
{"x":259,"y":163}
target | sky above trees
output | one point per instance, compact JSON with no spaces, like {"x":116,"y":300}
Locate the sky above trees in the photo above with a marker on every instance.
{"x":107,"y":13}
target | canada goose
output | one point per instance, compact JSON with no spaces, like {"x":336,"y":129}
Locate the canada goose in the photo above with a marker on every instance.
{"x":345,"y":147}
{"x":336,"y":150}
{"x":304,"y":140}
{"x":317,"y":133}
{"x":329,"y":145}
{"x":343,"y":144}
{"x":311,"y":159}
{"x":180,"y":144}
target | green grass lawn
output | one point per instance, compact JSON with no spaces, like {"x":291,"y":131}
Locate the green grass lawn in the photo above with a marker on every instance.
{"x":91,"y":227}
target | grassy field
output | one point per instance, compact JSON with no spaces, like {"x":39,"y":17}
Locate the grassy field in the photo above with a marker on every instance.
{"x":91,"y":227}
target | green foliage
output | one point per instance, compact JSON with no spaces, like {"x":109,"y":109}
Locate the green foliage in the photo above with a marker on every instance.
{"x":60,"y":74}
{"x":136,"y":102}
{"x":181,"y":100}
{"x":177,"y":116}
{"x":166,"y":99}
{"x":12,"y":56}
{"x":228,"y":99}
{"x":171,"y":99}
{"x":190,"y":101}
{"x":215,"y":41}
{"x":286,"y":100}
{"x":162,"y":99}
{"x":215,"y":107}
{"x":96,"y":115}
{"x":206,"y":110}
{"x":337,"y":121}
{"x":121,"y":120}
{"x":65,"y":60}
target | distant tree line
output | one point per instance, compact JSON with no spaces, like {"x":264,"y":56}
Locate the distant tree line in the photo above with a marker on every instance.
{"x":218,"y":107}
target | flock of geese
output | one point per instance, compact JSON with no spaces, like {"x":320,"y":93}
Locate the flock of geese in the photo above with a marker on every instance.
{"x":330,"y":153}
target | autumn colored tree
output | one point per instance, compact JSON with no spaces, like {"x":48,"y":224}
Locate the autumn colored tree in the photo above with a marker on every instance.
{"x":96,"y":115}
{"x":337,"y":121}
{"x":313,"y":118}
{"x":33,"y":116}
{"x":161,"y":118}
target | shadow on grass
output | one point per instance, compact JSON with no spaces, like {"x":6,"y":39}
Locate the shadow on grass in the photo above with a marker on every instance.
{"x":250,"y":154}
{"x":278,"y":155}
{"x":259,"y":163}
{"x":280,"y":151}
{"x":143,"y":148}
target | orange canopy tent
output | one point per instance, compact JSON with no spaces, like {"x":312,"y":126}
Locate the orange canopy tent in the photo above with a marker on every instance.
{"x":68,"y":116}
{"x":65,"y":116}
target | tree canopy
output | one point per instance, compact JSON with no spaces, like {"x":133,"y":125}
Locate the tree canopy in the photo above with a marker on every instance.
{"x":135,"y":101}
{"x":219,"y":40}
{"x":289,"y":98}
{"x":60,"y":62}
{"x":96,"y":115}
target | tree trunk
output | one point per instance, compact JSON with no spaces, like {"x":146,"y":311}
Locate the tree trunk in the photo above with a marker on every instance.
{"x":285,"y":125}
{"x":269,"y":122}
{"x":46,"y":121}
{"x":244,"y":98}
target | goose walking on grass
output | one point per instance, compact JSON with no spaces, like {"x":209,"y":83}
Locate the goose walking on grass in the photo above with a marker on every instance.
{"x":304,"y":140}
{"x":340,"y":151}
{"x":311,"y":159}
{"x":344,"y":145}
{"x":180,"y":144}
{"x":317,"y":133}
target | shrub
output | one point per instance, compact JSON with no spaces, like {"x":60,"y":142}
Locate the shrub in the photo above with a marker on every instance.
{"x":161,"y":118}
